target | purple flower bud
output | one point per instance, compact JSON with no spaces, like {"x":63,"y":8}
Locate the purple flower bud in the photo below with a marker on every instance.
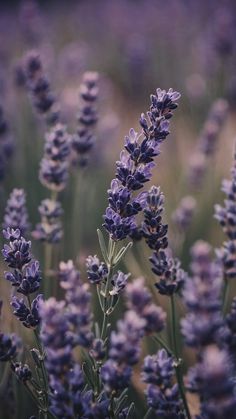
{"x":29,"y":317}
{"x":84,"y":140}
{"x":50,"y":228}
{"x":22,"y":371}
{"x":114,"y":376}
{"x":97,"y":271}
{"x":118,"y":281}
{"x":172,"y":277}
{"x":16,"y":215}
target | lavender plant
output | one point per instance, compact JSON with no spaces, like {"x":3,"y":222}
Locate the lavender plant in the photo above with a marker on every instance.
{"x":86,"y":364}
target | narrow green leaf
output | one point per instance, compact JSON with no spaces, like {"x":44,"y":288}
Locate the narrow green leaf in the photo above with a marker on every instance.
{"x":102,"y":245}
{"x":122,"y":252}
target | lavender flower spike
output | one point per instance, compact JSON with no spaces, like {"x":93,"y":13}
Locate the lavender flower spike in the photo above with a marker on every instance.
{"x":25,"y":276}
{"x":55,"y":164}
{"x":162,"y":395}
{"x":84,"y":140}
{"x":135,"y":165}
{"x":16,"y":215}
{"x":39,"y":88}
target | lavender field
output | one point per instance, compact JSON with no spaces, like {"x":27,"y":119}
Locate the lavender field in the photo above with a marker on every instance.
{"x":118,"y":209}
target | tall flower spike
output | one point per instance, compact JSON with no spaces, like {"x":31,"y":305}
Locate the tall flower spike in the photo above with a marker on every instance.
{"x":84,"y":139}
{"x":226,"y":215}
{"x":65,"y":377}
{"x":135,"y":165}
{"x":39,"y":88}
{"x":171,"y":276}
{"x":50,"y":228}
{"x":25,"y":276}
{"x":154,"y":231}
{"x":142,"y":317}
{"x":55,"y":164}
{"x":6,"y":144}
{"x":212,"y":379}
{"x":184,"y":213}
{"x":201,"y":294}
{"x":78,"y":300}
{"x":207,"y":142}
{"x":16,"y":215}
{"x":162,"y":395}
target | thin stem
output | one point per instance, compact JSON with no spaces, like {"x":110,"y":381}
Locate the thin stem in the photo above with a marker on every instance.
{"x":178,"y":367}
{"x":149,"y":411}
{"x":112,"y":247}
{"x":42,"y":365}
{"x":163,"y":344}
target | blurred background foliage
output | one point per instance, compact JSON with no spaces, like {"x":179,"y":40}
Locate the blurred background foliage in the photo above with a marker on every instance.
{"x":136,"y":46}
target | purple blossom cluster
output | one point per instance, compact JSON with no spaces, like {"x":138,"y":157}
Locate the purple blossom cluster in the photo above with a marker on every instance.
{"x":50,"y":228}
{"x":39,"y":87}
{"x":207,"y":142}
{"x":135,"y":165}
{"x":227,"y":218}
{"x":162,"y":395}
{"x":171,"y":276}
{"x":24,"y":275}
{"x":55,"y":164}
{"x":16,"y":215}
{"x":203,"y":322}
{"x":83,"y":141}
{"x":78,"y":300}
{"x":142,"y":318}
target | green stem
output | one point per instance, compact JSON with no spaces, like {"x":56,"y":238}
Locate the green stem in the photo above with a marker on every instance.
{"x":112,"y":250}
{"x":163,"y":344}
{"x":178,"y":367}
{"x":149,"y":411}
{"x":42,"y":365}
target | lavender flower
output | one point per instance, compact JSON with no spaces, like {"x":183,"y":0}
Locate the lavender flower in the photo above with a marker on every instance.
{"x":39,"y":88}
{"x":55,"y":164}
{"x":227,"y":219}
{"x":6,"y":144}
{"x":22,"y":371}
{"x":142,"y":317}
{"x":183,"y":214}
{"x":97,"y":271}
{"x":50,"y":228}
{"x":84,"y":140}
{"x":28,"y":316}
{"x":115,"y":377}
{"x":153,"y":230}
{"x":162,"y":395}
{"x":136,"y":163}
{"x":66,"y":380}
{"x":172,"y":277}
{"x":78,"y":300}
{"x":139,"y":300}
{"x":212,"y":379}
{"x":201,"y":295}
{"x":16,"y":215}
{"x":26,"y":273}
{"x":118,"y":281}
{"x":207,"y":142}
